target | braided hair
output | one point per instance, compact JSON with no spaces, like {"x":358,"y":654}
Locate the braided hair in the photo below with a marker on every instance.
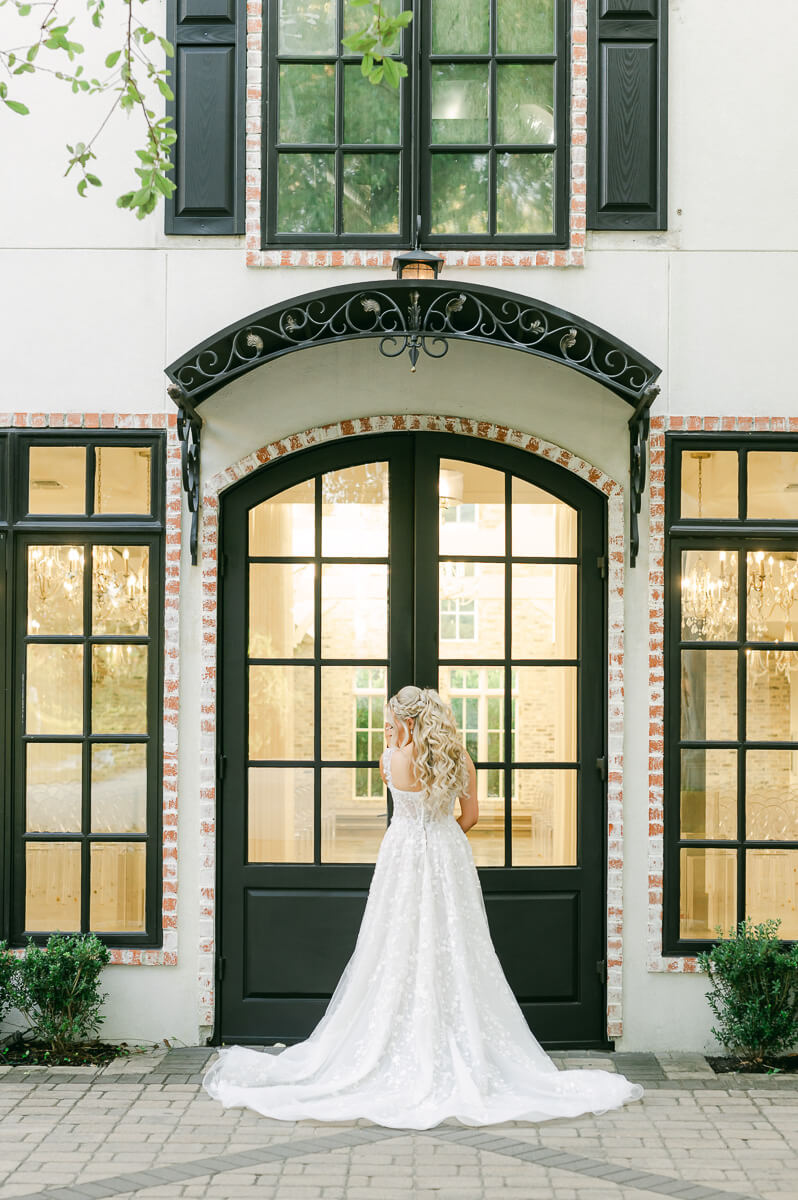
{"x":440,"y":761}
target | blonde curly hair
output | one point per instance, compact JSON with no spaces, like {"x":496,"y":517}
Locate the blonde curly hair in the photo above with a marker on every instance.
{"x":440,"y":759}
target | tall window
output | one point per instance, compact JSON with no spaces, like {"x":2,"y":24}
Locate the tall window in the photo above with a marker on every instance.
{"x":474,"y":140}
{"x":84,"y":601}
{"x":731,"y":686}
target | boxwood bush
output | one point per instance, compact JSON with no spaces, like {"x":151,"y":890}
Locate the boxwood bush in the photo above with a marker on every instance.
{"x":57,"y":988}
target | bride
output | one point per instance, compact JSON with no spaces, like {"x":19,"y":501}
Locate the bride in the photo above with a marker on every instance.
{"x":422,"y":1025}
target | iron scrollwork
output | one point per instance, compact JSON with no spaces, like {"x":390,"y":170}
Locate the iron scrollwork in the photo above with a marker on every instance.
{"x":639,"y":424}
{"x":189,"y":427}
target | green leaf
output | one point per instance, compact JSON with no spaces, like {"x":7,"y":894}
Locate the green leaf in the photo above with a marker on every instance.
{"x":17,"y":107}
{"x":376,"y":75}
{"x":366,"y":65}
{"x":24,"y":10}
{"x":82,"y":188}
{"x":124,"y":201}
{"x":113,"y":59}
{"x":34,"y":50}
{"x":93,"y":180}
{"x":165,"y":90}
{"x":391,"y":73}
{"x":167,"y":47}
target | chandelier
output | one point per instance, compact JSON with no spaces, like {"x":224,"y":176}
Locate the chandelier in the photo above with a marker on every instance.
{"x":120,"y":592}
{"x":54,"y":573}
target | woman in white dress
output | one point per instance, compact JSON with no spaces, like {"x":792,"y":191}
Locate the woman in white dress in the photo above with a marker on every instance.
{"x":422,"y":1025}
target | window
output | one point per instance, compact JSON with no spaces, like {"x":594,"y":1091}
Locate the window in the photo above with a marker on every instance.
{"x":474,"y":140}
{"x":370,"y":701}
{"x":84,"y":572}
{"x":731,"y":686}
{"x":458,"y":605}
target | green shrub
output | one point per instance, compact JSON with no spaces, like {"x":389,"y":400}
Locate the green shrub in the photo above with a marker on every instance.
{"x":8,"y":967}
{"x":57,"y":988}
{"x":754,"y":991}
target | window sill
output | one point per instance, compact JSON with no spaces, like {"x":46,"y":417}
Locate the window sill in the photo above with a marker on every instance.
{"x":574,"y":256}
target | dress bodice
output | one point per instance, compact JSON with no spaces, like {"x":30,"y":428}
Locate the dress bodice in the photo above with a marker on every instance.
{"x":414,"y":805}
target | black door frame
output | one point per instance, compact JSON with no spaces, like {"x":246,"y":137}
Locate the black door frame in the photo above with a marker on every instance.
{"x":415,"y":640}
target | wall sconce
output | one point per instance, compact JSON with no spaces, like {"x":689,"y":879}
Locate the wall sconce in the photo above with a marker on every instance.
{"x":417,"y":263}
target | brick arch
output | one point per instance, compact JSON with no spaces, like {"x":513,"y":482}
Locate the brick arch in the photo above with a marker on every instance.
{"x":488,"y":431}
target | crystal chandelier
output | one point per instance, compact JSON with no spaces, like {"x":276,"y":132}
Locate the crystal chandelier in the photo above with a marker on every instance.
{"x":120,"y":592}
{"x":53,"y":575}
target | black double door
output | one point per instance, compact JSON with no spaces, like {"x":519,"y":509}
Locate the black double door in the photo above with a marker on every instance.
{"x":350,"y":570}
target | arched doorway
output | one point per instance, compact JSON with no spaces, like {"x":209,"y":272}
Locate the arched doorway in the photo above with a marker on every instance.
{"x":351,"y":569}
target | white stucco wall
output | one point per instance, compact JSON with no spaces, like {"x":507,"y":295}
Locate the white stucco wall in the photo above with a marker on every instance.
{"x":94,"y":304}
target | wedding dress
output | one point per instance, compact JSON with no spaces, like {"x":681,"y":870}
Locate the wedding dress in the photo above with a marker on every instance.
{"x":422,"y":1025}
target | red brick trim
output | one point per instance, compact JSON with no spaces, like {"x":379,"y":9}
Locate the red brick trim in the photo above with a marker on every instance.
{"x":574,"y":256}
{"x":208,"y":551}
{"x":167,"y":954}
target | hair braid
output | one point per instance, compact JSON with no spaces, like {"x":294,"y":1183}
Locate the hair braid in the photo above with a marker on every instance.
{"x":440,"y":762}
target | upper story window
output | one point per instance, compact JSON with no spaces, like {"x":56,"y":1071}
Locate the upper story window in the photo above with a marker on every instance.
{"x":474,"y":140}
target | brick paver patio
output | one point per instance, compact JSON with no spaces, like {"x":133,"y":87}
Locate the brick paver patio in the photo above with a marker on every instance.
{"x":143,"y":1127}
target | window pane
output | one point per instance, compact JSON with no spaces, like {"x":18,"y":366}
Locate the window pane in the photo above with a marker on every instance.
{"x":280,"y":712}
{"x":118,"y":872}
{"x":772,"y":583}
{"x":525,"y":27}
{"x":353,"y":16}
{"x":57,"y":481}
{"x":708,"y":794}
{"x":459,"y":102}
{"x":542,"y":524}
{"x":371,"y":113}
{"x":487,"y":836}
{"x":55,"y":589}
{"x":52,"y":886}
{"x":709,"y":483}
{"x":708,"y":892}
{"x":122,"y":479}
{"x":280,"y":814}
{"x":459,"y":200}
{"x":773,"y":485}
{"x":306,"y":193}
{"x":546,"y":729}
{"x":307,"y":27}
{"x":709,"y":595}
{"x":524,"y":193}
{"x":460,"y":26}
{"x":772,"y":699}
{"x":771,"y":795}
{"x":544,"y":818}
{"x":53,"y":787}
{"x":284,"y":525}
{"x":544,"y":609}
{"x":352,"y":825}
{"x":474,"y":592}
{"x":371,"y":193}
{"x":349,"y":708}
{"x":307,"y":102}
{"x":281,"y":610}
{"x":120,"y":589}
{"x":354,"y":508}
{"x":471,"y":508}
{"x":525,"y":103}
{"x":709,"y":695}
{"x":54,"y":689}
{"x":354,"y":611}
{"x":771,"y":889}
{"x":118,"y":787}
{"x":476,"y":695}
{"x":119,"y":689}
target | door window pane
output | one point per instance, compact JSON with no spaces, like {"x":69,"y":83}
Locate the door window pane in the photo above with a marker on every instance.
{"x":709,"y":595}
{"x":354,"y":512}
{"x":280,"y":814}
{"x":525,"y":100}
{"x":772,"y":485}
{"x":52,"y":886}
{"x":352,"y":718}
{"x":524,"y":27}
{"x":57,"y":479}
{"x":371,"y":193}
{"x":546,"y":723}
{"x":487,"y":836}
{"x":708,"y":892}
{"x":118,"y":876}
{"x":118,"y":787}
{"x":544,"y":818}
{"x":471,"y":610}
{"x":471,"y":501}
{"x":371,"y":114}
{"x":772,"y":586}
{"x":354,"y":610}
{"x":55,"y":589}
{"x":772,"y":696}
{"x":307,"y":102}
{"x":476,"y":695}
{"x":280,"y":712}
{"x":352,"y":826}
{"x":708,"y":794}
{"x":306,"y":193}
{"x":307,"y":27}
{"x":459,"y":102}
{"x":53,"y":787}
{"x":771,"y":889}
{"x":120,"y":589}
{"x":54,"y":689}
{"x":284,"y":525}
{"x":281,"y":610}
{"x":122,"y":479}
{"x":709,"y":483}
{"x":459,"y":199}
{"x":542,"y":525}
{"x":771,"y":795}
{"x":119,"y":689}
{"x":524,"y":193}
{"x":544,"y":609}
{"x":460,"y":26}
{"x":709,"y":695}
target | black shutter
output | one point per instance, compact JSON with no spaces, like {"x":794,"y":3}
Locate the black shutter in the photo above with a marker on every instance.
{"x":208,"y":80}
{"x":627,"y":114}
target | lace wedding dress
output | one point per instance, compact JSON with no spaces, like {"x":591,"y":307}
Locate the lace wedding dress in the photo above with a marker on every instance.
{"x":422,"y":1025}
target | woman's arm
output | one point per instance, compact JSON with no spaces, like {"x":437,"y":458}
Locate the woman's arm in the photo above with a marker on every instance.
{"x":469,"y":808}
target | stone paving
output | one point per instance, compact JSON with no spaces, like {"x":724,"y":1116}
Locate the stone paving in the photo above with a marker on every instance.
{"x":143,"y":1128}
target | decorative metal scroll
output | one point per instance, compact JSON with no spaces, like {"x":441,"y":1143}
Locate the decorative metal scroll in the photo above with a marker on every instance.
{"x":189,"y":427}
{"x":639,"y":424}
{"x":414,"y":318}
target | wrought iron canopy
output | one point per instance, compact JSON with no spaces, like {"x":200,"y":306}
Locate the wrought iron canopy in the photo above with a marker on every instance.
{"x":420,"y":318}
